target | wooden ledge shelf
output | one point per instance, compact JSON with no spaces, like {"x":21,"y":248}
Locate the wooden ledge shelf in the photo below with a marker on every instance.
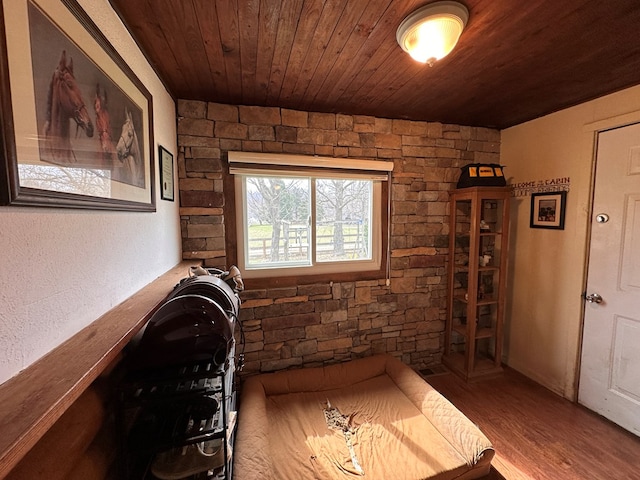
{"x":32,"y":401}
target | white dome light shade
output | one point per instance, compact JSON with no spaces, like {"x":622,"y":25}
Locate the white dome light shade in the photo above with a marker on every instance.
{"x":431,"y":32}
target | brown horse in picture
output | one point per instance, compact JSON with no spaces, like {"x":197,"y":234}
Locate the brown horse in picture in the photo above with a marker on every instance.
{"x":64,"y":103}
{"x":103,"y":126}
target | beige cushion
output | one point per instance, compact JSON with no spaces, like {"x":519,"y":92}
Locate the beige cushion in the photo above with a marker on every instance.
{"x":402,"y":427}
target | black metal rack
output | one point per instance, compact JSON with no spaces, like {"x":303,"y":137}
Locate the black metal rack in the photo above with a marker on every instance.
{"x":166,"y":409}
{"x":177,"y":403}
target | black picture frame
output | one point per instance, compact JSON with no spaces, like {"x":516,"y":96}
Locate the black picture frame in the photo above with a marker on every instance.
{"x":167,"y":187}
{"x":51,"y":156}
{"x":548,"y":210}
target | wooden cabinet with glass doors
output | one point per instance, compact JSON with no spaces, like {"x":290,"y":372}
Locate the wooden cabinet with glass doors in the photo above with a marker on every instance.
{"x":477,"y":265}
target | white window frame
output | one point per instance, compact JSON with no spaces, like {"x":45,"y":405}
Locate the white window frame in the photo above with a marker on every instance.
{"x":243,"y":164}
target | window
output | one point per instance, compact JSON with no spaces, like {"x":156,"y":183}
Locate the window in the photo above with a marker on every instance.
{"x":294,"y":217}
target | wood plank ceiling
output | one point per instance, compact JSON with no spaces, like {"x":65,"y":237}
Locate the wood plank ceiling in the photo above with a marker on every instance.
{"x":516,"y":60}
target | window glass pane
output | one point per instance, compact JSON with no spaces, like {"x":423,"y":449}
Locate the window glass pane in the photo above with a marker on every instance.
{"x":343,"y":219}
{"x":277,"y":221}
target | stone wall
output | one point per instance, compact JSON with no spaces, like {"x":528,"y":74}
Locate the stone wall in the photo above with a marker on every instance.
{"x":329,"y":322}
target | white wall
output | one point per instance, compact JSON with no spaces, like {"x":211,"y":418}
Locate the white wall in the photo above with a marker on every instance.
{"x":61,"y":269}
{"x":547,"y":267}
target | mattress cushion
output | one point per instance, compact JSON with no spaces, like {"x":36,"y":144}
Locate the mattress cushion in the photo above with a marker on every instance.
{"x":389,"y":435}
{"x":374,"y":417}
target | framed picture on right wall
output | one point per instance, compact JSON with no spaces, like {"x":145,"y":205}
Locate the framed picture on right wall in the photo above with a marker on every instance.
{"x":547,"y":210}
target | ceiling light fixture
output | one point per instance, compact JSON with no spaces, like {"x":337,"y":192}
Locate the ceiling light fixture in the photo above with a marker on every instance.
{"x":431,"y":32}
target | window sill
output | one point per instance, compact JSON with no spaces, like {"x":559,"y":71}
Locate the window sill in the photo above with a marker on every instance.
{"x":290,"y":281}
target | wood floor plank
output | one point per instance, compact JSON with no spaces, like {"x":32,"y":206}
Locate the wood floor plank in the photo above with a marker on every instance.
{"x":539,"y":435}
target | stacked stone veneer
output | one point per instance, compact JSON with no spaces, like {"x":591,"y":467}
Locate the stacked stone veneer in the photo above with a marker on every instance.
{"x":329,"y":322}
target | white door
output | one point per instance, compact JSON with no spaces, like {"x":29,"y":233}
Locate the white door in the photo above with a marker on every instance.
{"x":610,"y":367}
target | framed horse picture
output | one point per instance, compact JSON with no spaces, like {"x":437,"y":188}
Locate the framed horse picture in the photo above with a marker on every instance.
{"x":76,"y":122}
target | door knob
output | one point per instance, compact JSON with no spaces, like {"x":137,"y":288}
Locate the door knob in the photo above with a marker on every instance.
{"x":593,"y":298}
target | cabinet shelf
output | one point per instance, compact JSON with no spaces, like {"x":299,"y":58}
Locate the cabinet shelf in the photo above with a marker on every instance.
{"x":483,"y":286}
{"x":486,"y":300}
{"x":465,"y":268}
{"x":482,"y":233}
{"x":480,"y":333}
{"x":488,"y":268}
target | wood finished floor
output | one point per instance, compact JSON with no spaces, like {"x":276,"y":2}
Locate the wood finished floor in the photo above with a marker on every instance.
{"x":540,"y":435}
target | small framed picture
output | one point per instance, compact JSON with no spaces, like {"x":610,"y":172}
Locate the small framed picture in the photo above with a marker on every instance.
{"x":166,"y":173}
{"x":547,"y":210}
